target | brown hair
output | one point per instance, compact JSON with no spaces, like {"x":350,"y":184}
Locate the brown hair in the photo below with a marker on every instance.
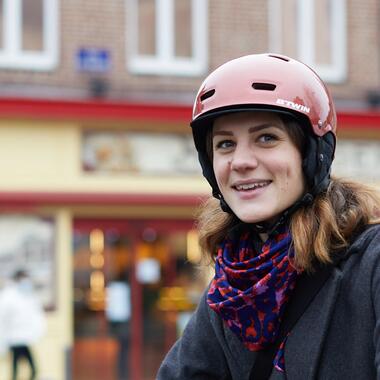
{"x":319,"y":230}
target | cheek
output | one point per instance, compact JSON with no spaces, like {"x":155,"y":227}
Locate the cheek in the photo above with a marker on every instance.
{"x":286,"y":178}
{"x":289,"y":174}
{"x":219,"y":170}
{"x":282,"y":171}
{"x":294,"y":175}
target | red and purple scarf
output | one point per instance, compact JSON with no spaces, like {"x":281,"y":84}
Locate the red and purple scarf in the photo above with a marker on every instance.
{"x":251,"y":288}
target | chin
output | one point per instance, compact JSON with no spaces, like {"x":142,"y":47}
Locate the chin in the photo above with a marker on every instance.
{"x":255,"y":216}
{"x":253,"y":219}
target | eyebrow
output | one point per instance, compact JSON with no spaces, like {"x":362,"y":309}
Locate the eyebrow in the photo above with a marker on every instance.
{"x":256,"y":128}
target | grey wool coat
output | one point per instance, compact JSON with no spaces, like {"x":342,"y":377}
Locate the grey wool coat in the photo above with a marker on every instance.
{"x":337,"y":337}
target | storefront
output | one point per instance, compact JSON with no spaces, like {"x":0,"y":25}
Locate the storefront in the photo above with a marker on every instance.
{"x":98,"y":200}
{"x":135,"y":284}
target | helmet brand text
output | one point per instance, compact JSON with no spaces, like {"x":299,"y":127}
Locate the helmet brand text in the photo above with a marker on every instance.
{"x":290,"y":104}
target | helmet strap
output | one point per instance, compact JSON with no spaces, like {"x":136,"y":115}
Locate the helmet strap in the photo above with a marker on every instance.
{"x":269,"y":228}
{"x":223,"y":204}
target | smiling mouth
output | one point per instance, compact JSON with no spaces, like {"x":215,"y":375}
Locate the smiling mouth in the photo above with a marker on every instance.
{"x":251,"y":186}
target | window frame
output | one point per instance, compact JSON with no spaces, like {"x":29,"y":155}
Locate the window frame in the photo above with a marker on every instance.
{"x":336,"y":72}
{"x":12,"y":55}
{"x":164,"y":62}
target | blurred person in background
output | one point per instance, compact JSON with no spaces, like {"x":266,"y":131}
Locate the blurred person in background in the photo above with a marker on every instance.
{"x":296,"y":291}
{"x":22,"y":321}
{"x":118,"y":313}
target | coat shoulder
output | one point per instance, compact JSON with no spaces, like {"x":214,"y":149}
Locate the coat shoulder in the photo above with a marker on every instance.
{"x":366,"y":243}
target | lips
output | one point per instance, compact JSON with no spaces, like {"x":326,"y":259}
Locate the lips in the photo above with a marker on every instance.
{"x":247,"y":186}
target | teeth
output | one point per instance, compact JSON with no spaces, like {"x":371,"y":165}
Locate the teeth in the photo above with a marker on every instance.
{"x":252,"y":186}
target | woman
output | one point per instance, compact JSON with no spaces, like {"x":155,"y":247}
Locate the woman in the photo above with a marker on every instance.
{"x":297,"y":253}
{"x":22,"y":321}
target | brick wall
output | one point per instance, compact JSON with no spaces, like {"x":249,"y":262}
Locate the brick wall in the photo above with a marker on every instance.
{"x":235,"y":28}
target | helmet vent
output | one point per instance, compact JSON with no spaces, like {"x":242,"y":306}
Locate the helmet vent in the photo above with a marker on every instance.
{"x":279,"y":57}
{"x":264,"y":86}
{"x":207,"y":95}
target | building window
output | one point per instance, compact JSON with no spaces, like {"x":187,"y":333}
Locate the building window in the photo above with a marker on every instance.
{"x":29,"y":34}
{"x":30,"y":246}
{"x":167,"y":37}
{"x":312,"y":31}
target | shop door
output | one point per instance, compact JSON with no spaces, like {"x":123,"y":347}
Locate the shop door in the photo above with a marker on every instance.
{"x":134,"y":290}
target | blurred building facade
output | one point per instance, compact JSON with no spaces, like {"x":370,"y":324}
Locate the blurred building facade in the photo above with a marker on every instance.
{"x":100,"y":182}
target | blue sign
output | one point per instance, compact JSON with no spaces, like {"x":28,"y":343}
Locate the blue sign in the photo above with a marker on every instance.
{"x":93,"y":60}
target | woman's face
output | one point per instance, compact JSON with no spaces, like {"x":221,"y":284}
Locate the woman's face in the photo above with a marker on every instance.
{"x":257,"y":166}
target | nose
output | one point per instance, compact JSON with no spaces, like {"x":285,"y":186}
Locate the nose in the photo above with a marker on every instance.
{"x":243,"y":159}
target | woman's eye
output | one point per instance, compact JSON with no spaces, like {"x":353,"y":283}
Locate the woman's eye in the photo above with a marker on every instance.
{"x":267,"y":138}
{"x":224,"y":144}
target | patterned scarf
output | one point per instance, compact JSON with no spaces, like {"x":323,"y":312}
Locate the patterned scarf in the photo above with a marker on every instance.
{"x":251,"y":288}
